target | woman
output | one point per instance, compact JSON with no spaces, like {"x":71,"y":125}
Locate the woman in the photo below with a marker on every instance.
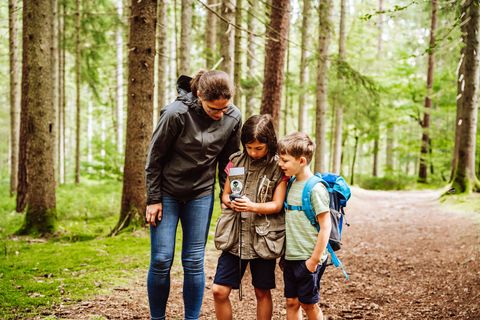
{"x":199,"y":130}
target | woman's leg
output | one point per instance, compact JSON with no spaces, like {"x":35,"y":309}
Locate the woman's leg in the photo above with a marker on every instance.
{"x":195,"y":218}
{"x":162,"y":239}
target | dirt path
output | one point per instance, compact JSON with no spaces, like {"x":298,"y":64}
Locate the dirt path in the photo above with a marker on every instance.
{"x":407,"y":259}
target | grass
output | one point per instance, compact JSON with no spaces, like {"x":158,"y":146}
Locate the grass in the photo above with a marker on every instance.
{"x":467,"y":203}
{"x":80,"y":261}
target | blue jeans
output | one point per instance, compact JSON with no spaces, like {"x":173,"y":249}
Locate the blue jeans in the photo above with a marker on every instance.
{"x":194,"y":216}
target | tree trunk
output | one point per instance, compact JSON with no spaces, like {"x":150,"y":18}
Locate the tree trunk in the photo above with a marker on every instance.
{"x":354,"y":159}
{"x":210,"y":36}
{"x":77,"y":87}
{"x":286,"y":113}
{"x":185,"y":38}
{"x":325,"y":30}
{"x":38,"y":117}
{"x":162,"y":51}
{"x":337,"y":148}
{"x":275,"y":47}
{"x":238,"y":56}
{"x":302,"y":109}
{"x":227,"y":34}
{"x":61,"y":96}
{"x":119,"y":93}
{"x":376,"y":143}
{"x":250,"y":92}
{"x":55,"y":79}
{"x":464,"y":178}
{"x":14,"y":93}
{"x":141,"y":56}
{"x":390,"y":144}
{"x":425,"y":147}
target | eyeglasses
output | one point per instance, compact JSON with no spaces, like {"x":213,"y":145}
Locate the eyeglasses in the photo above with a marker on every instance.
{"x":215,"y":110}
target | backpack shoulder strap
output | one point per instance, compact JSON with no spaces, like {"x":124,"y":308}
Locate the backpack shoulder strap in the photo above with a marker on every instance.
{"x":285,"y":203}
{"x":307,"y":203}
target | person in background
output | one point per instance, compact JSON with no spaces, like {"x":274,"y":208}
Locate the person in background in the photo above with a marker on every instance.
{"x":195,"y":134}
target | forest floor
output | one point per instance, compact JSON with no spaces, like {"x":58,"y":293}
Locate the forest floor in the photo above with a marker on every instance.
{"x":408,"y":258}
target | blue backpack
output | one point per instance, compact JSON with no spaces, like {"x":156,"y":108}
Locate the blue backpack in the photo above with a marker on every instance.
{"x":339,"y":192}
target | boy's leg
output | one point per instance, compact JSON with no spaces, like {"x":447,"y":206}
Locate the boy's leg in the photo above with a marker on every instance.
{"x":223,"y":307}
{"x":263,"y":279}
{"x":293,"y":309}
{"x":313,"y":311}
{"x":264,"y":304}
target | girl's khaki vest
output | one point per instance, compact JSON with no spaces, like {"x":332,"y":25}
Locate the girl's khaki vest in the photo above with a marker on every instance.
{"x":262,"y":236}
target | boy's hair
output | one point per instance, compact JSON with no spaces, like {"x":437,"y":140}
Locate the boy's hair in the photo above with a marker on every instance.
{"x":297,"y":144}
{"x":260,"y":127}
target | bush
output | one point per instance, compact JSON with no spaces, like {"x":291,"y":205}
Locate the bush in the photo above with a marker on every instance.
{"x":389,"y":182}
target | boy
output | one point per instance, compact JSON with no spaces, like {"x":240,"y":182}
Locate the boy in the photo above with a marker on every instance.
{"x":305,"y":252}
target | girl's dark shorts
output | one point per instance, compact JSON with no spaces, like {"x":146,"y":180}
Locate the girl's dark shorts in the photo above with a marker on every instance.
{"x":228,"y":271}
{"x":301,"y":283}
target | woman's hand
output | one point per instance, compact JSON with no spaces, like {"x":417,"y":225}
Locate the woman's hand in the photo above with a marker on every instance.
{"x":153,"y":213}
{"x":243,"y":204}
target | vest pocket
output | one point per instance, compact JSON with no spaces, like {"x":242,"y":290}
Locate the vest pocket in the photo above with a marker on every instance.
{"x":269,"y":237}
{"x":226,"y":231}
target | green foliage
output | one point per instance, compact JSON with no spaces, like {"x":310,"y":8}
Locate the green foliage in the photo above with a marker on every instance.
{"x":79,"y":261}
{"x":107,"y":163}
{"x":397,"y":182}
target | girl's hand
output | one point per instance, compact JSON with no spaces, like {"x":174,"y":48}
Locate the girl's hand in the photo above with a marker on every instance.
{"x":243,"y":204}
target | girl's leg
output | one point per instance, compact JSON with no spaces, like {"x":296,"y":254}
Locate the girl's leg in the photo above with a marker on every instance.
{"x":162,"y":239}
{"x":223,"y":307}
{"x":293,"y":309}
{"x":195,"y":218}
{"x":264,"y":304}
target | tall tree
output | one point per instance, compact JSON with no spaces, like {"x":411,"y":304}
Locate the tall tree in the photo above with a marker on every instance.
{"x":185,"y":37}
{"x":238,"y":50}
{"x":141,"y":56}
{"x":390,"y":124}
{"x":119,"y":93}
{"x":227,"y":34}
{"x":61,"y":94}
{"x":302,"y":110}
{"x":464,"y":177}
{"x":55,"y":77}
{"x":210,"y":35}
{"x":14,"y":93}
{"x":250,"y":91}
{"x":37,"y":118}
{"x":425,"y":142}
{"x":325,"y":29}
{"x":275,"y":49}
{"x":162,"y":52}
{"x":337,"y":147}
{"x":78,"y":26}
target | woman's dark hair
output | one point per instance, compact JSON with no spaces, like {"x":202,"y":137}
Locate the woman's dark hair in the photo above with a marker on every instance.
{"x":260,"y":128}
{"x":212,"y":85}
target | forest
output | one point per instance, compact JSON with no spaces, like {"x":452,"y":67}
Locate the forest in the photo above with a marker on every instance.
{"x":387,"y":89}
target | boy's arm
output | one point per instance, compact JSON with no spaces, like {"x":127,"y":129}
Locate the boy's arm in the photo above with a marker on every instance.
{"x":322,"y":240}
{"x":271,"y":207}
